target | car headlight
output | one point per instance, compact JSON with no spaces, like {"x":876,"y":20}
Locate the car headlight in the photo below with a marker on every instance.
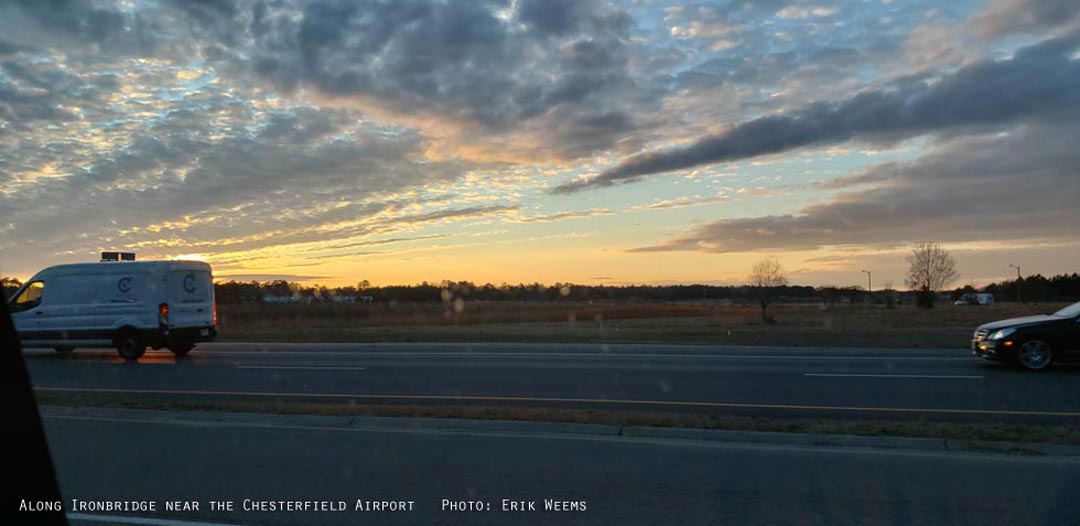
{"x":1002,"y":334}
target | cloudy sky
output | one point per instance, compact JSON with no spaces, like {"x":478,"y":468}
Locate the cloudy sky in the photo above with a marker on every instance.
{"x":541,"y":140}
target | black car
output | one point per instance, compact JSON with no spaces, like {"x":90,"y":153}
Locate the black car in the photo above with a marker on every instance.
{"x":1031,"y":342}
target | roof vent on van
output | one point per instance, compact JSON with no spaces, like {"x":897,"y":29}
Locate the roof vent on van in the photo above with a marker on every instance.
{"x":117,"y":256}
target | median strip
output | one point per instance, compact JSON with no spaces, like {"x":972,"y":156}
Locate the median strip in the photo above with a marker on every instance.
{"x":149,"y":521}
{"x":302,"y":367}
{"x":841,"y":375}
{"x":598,"y":401}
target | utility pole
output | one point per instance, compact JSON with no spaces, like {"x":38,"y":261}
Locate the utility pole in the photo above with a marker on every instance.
{"x":1019,"y":297}
{"x":869,"y":289}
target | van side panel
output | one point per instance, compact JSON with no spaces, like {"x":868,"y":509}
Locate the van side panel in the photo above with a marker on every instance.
{"x":126,"y":298}
{"x":68,"y":304}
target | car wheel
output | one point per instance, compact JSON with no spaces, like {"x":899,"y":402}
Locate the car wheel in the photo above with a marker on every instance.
{"x":1035,"y":355}
{"x":64,"y":350}
{"x":130,"y":346}
{"x":181,"y":349}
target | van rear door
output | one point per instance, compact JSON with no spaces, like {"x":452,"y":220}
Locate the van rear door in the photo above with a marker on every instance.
{"x":190,"y":293}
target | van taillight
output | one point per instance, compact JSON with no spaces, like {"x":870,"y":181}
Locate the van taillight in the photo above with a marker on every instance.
{"x":163,"y":315}
{"x":215,"y":313}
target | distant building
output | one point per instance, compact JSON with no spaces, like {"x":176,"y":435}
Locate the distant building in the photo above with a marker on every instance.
{"x":286,"y":299}
{"x":308,"y":300}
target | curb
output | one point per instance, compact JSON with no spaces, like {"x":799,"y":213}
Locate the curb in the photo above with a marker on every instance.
{"x":796,"y":439}
{"x":450,"y":425}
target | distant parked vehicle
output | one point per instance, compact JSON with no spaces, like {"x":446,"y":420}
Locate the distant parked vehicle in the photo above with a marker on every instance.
{"x":124,"y":304}
{"x":1031,"y":342}
{"x":975,"y":298}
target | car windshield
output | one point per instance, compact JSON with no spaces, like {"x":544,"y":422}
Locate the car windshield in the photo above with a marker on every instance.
{"x":1071,"y":311}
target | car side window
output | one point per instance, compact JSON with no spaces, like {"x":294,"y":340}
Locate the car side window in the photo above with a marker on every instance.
{"x":29,"y":298}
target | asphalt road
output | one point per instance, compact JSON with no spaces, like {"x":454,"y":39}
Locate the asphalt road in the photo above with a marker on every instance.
{"x":855,"y":383}
{"x":621,"y":480}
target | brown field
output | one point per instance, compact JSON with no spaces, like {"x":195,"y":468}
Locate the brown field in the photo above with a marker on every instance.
{"x":691,"y":322}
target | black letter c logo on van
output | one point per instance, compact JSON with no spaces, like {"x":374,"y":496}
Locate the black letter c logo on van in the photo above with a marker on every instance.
{"x":124,"y":285}
{"x":189,"y":283}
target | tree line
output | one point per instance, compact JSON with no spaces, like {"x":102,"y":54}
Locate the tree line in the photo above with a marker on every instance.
{"x":1034,"y":288}
{"x":244,"y":292}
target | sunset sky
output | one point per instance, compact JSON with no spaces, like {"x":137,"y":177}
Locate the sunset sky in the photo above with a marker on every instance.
{"x":542,"y":140}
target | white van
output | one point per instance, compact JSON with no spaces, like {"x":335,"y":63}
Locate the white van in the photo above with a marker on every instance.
{"x":975,"y":298}
{"x":125,"y":304}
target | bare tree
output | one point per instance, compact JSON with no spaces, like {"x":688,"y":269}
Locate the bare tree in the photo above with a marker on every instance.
{"x":765,"y":276}
{"x":9,"y":286}
{"x":930,"y":269}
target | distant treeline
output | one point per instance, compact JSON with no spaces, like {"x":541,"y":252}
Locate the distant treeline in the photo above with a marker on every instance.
{"x":1064,"y":287}
{"x":1034,"y":288}
{"x":1037,"y":288}
{"x":254,"y":292}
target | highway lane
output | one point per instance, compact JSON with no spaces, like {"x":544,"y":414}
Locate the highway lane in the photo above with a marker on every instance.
{"x":622,"y":480}
{"x":861,"y":383}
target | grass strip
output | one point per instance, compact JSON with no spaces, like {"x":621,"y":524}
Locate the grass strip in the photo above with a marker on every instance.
{"x":1007,"y":432}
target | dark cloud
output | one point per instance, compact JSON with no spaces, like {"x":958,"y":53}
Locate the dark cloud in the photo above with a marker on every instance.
{"x":1004,"y":17}
{"x":560,"y":216}
{"x":103,"y":27}
{"x":458,"y":213}
{"x":459,"y":61}
{"x":964,"y":190}
{"x":8,"y":48}
{"x":304,"y":125}
{"x":266,"y":277}
{"x":557,"y":17}
{"x":413,"y":53}
{"x":376,"y":242}
{"x":1040,"y":82}
{"x":82,"y":20}
{"x":35,"y":91}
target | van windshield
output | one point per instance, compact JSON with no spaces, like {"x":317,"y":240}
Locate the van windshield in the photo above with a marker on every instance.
{"x":27,"y":298}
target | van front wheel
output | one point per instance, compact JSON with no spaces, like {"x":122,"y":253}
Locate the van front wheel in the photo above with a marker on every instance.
{"x":130,"y":346}
{"x":181,"y":349}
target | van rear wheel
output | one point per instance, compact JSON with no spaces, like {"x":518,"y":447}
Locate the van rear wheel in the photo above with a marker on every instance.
{"x":64,"y":350}
{"x":130,"y":346}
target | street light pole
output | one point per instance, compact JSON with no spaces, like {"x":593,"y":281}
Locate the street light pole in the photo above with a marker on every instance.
{"x":869,"y":289}
{"x":1019,"y":297}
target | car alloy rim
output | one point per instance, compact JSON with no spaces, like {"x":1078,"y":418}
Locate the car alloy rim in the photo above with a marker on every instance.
{"x":1035,"y":354}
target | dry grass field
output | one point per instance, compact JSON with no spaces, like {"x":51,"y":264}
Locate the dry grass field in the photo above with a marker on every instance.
{"x":697,"y":322}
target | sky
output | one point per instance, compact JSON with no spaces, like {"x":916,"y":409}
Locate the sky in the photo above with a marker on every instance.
{"x":593,"y":142}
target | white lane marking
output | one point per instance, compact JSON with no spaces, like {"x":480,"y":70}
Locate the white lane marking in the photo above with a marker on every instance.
{"x":839,"y":375}
{"x":303,"y":367}
{"x":602,"y":355}
{"x":120,"y":519}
